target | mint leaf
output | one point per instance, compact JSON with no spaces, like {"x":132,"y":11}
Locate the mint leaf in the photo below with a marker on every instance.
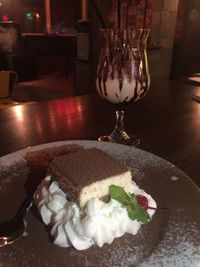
{"x":134,"y":209}
{"x":138,"y":213}
{"x":118,"y":193}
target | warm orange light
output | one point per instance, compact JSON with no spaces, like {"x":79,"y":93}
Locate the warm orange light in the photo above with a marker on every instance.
{"x":19,"y":113}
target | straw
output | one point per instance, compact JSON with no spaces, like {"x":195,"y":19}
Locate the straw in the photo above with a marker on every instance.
{"x":145,"y":14}
{"x":119,"y":14}
{"x":102,"y":22}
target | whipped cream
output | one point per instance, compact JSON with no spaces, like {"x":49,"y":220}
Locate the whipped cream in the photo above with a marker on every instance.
{"x":98,"y":223}
{"x":110,"y":90}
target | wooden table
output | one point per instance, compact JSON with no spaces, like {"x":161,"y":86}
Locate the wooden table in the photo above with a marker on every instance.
{"x":167,"y":120}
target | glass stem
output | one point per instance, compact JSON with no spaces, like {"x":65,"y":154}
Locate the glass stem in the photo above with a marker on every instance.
{"x":119,"y":127}
{"x":119,"y":134}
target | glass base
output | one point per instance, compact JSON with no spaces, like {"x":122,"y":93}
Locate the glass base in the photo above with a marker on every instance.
{"x":130,"y":140}
{"x":119,"y":134}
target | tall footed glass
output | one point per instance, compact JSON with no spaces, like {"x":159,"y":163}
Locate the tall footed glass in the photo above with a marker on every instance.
{"x":122,"y":75}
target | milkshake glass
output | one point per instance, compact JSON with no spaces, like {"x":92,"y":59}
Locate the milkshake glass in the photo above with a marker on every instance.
{"x":122,"y":75}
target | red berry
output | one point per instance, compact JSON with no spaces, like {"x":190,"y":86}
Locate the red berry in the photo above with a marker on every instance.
{"x":143,"y":201}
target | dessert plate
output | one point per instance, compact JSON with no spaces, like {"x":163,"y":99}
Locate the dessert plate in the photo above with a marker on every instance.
{"x":171,"y":239}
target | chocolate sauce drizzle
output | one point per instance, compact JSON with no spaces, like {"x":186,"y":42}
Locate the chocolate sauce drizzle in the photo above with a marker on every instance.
{"x":123,"y":56}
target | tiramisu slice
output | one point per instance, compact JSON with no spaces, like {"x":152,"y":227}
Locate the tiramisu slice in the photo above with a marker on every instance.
{"x":89,"y":173}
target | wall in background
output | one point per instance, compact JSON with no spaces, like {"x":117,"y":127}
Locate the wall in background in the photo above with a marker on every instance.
{"x":164,"y":16}
{"x":186,"y":52}
{"x":164,"y":22}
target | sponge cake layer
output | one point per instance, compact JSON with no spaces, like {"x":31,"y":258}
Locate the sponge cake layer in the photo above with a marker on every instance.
{"x":88,"y":173}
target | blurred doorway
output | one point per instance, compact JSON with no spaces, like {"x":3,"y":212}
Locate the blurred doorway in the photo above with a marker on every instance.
{"x":186,"y":52}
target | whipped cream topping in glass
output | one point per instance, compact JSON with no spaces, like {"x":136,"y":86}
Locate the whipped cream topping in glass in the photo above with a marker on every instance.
{"x":98,"y":223}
